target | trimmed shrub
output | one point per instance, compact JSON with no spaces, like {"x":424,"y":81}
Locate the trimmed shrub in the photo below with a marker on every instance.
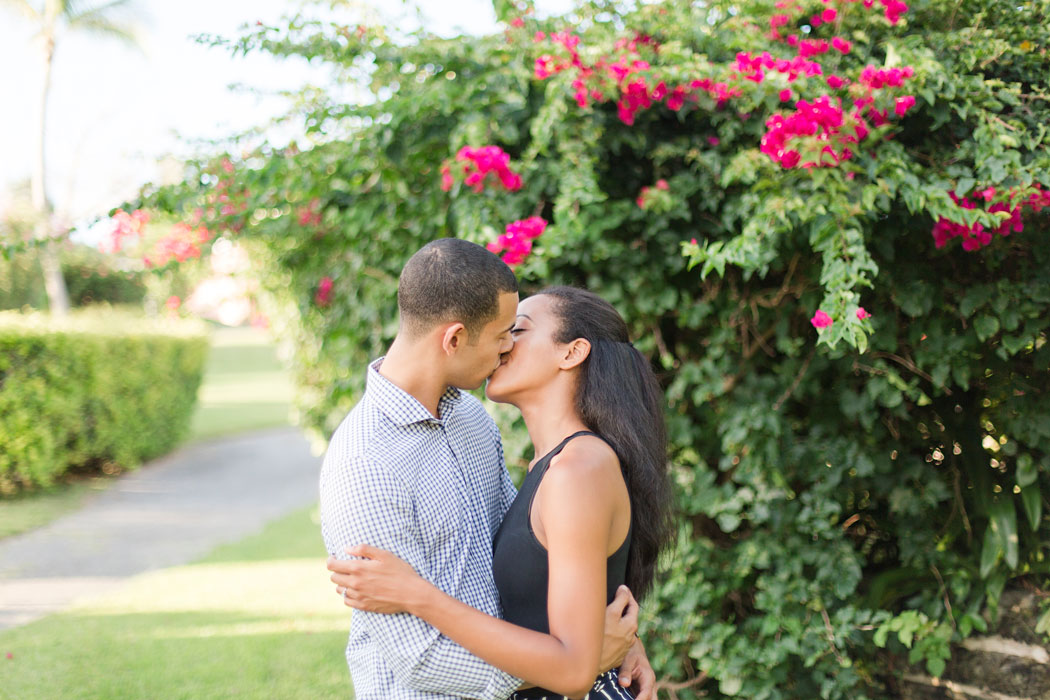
{"x":91,"y":278}
{"x":97,"y":389}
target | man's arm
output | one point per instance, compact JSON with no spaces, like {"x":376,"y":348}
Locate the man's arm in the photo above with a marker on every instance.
{"x":364,"y":502}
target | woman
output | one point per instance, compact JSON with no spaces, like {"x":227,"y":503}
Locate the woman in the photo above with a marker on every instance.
{"x":593,"y":512}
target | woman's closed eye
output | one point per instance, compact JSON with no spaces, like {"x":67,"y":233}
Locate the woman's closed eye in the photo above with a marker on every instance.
{"x":515,"y":331}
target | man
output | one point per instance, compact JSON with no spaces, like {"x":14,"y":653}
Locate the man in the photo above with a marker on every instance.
{"x":417,"y":468}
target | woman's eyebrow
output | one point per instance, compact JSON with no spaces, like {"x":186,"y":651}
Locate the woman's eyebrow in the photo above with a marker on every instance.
{"x":525,"y":316}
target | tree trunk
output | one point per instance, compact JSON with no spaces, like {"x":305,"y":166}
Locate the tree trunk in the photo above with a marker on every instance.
{"x":58,"y":297}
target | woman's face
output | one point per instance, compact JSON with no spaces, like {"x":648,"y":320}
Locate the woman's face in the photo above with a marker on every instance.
{"x":534,"y":359}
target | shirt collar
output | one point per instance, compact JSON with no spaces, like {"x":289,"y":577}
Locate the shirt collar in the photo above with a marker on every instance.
{"x":401,"y":407}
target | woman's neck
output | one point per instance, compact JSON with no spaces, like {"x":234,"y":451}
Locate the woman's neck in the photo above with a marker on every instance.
{"x":550,"y":418}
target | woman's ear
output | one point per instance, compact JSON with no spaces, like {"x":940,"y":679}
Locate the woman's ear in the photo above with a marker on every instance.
{"x":576,"y":352}
{"x":454,"y":337}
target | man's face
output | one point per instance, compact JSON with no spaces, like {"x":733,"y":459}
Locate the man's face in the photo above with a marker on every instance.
{"x":477,"y":359}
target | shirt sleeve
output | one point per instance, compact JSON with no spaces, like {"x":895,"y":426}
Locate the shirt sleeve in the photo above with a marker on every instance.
{"x":363,"y":502}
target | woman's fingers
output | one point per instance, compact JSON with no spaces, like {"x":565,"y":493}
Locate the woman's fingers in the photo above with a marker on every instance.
{"x":366,"y":551}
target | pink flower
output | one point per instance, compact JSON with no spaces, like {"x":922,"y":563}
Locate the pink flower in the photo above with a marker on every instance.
{"x":517,"y":22}
{"x":173,"y":303}
{"x":902,"y":104}
{"x":785,"y":95}
{"x":538,"y":37}
{"x":862,"y":314}
{"x":821,"y":320}
{"x":324,"y":292}
{"x":829,"y":14}
{"x":546,"y":66}
{"x":676,"y":99}
{"x":835,"y":82}
{"x":446,"y":177}
{"x":480,"y":162}
{"x":662,"y":185}
{"x":841,"y":45}
{"x":713,"y":140}
{"x":516,"y":243}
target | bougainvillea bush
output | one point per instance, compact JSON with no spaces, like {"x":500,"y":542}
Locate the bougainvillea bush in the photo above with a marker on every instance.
{"x":826,"y":223}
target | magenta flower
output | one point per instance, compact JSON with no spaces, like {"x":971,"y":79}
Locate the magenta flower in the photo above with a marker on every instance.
{"x":324,"y":292}
{"x":902,"y":104}
{"x":516,"y":244}
{"x":479,"y":163}
{"x":841,"y":45}
{"x":821,"y":320}
{"x":862,"y":314}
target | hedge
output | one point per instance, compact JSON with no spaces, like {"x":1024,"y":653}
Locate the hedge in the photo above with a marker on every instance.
{"x":97,"y":389}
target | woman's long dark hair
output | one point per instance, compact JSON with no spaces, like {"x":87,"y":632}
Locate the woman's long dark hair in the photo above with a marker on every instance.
{"x":619,"y":398}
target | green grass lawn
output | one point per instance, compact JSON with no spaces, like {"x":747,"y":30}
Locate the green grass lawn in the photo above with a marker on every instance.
{"x":258,"y":619}
{"x":245,"y":387}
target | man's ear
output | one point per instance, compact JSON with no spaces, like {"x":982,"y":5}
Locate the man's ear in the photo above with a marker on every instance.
{"x":576,"y":352}
{"x":454,"y":337}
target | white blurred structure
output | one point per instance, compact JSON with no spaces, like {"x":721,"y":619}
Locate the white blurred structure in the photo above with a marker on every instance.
{"x":226,"y":296}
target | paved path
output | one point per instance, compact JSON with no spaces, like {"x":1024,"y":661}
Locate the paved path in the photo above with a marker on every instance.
{"x":170,"y":512}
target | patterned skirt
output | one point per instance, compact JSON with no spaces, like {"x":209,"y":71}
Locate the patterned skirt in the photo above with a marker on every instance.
{"x":606,"y":687}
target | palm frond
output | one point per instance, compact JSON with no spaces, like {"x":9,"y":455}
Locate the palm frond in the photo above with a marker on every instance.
{"x":105,"y":27}
{"x":74,"y":10}
{"x":23,"y":8}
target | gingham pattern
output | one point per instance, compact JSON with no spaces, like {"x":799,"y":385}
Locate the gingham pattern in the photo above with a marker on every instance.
{"x":606,"y":687}
{"x":433,"y":492}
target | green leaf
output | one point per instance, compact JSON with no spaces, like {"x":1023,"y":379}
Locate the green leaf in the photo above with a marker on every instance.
{"x":1026,"y":471}
{"x":1004,"y":523}
{"x":1043,"y":624}
{"x":1032,"y":500}
{"x":991,"y":550}
{"x":935,"y":666}
{"x":881,"y":634}
{"x":975,"y":297}
{"x":986,"y":326}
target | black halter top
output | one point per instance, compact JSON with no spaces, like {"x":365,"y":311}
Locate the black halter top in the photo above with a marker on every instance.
{"x":519,"y":561}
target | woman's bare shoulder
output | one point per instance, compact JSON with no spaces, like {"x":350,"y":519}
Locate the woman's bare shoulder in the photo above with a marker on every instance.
{"x":585,"y":456}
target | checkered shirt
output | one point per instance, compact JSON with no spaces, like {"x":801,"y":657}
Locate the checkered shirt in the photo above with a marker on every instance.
{"x":433,"y":491}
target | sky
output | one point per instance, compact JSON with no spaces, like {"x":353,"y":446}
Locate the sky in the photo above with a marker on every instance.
{"x":115,"y":111}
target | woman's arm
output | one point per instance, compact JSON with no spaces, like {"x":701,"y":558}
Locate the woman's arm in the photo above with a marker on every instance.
{"x":576,"y":512}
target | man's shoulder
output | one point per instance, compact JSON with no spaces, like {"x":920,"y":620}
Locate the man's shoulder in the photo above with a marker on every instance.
{"x":360,"y":439}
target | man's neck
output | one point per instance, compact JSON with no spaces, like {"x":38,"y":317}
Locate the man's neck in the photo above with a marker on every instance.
{"x":407,"y":368}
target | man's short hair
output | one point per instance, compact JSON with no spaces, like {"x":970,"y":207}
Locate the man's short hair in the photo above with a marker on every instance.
{"x":450,"y":280}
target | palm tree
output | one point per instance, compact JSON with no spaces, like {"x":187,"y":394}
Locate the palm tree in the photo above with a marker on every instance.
{"x":55,"y":15}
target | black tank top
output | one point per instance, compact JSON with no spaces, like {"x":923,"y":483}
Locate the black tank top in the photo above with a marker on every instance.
{"x":519,"y":561}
